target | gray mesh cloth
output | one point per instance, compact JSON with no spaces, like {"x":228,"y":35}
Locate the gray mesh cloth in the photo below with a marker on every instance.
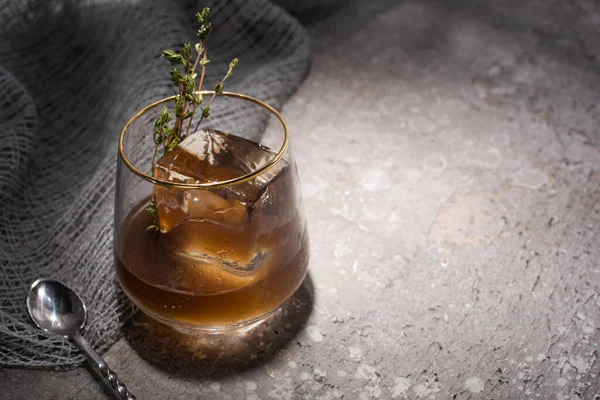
{"x":71,"y":74}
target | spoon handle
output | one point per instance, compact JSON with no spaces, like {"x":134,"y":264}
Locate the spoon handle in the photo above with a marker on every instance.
{"x":107,"y":373}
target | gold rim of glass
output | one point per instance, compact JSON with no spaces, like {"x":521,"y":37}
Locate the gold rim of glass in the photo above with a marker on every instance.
{"x":209,"y":185}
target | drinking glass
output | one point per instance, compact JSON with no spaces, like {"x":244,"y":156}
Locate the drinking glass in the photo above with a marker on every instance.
{"x":231,"y":243}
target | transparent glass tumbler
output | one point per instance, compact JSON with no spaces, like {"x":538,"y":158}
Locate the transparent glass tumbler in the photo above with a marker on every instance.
{"x":231,"y":243}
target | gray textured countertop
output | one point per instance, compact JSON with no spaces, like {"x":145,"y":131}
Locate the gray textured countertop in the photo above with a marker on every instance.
{"x":450,"y":165}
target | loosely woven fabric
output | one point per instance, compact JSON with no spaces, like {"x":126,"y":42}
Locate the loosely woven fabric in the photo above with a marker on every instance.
{"x":71,"y":75}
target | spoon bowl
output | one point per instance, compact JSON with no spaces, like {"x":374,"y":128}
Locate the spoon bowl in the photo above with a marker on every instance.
{"x":55,"y":308}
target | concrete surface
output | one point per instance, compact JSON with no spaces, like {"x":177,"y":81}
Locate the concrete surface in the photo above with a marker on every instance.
{"x":451,"y":173}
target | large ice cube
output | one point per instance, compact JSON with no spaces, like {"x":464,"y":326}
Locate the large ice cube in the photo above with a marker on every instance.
{"x":236,"y":225}
{"x":209,"y":156}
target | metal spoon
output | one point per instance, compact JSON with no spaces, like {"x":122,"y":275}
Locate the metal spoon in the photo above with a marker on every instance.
{"x":56,"y":309}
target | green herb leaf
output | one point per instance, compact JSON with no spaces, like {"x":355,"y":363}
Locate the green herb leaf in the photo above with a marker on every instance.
{"x":153,"y":227}
{"x":176,"y":140}
{"x":199,"y":48}
{"x":172,"y":56}
{"x":186,"y":53}
{"x":198,"y":98}
{"x":190,"y":83}
{"x":178,"y":105}
{"x":206,"y":112}
{"x":203,"y":62}
{"x":165,"y":115}
{"x":158,"y":137}
{"x":232,"y":66}
{"x":204,"y":31}
{"x":204,"y":16}
{"x":219,"y":87}
{"x":151,"y":208}
{"x":176,"y":77}
{"x":188,"y":66}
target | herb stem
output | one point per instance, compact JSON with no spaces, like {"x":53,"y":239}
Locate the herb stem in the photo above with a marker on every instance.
{"x":187,"y":131}
{"x":211,"y":99}
{"x":203,"y":65}
{"x":154,"y":158}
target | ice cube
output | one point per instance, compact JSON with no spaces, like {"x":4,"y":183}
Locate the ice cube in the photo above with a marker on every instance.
{"x":207,"y":156}
{"x":233,"y":226}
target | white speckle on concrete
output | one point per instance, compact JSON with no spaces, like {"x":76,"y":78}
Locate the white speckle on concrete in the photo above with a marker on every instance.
{"x":310,"y":190}
{"x":474,"y":385}
{"x":340,"y":250}
{"x":304,"y":375}
{"x":270,"y":372}
{"x":251,"y":386}
{"x":320,"y":372}
{"x":355,"y":353}
{"x":490,"y":158}
{"x":375,"y":180}
{"x":579,"y":363}
{"x":215,"y":386}
{"x":412,"y":174}
{"x":370,"y":392}
{"x":365,"y":372}
{"x":292,"y":364}
{"x":314,"y":333}
{"x":561,"y":381}
{"x":422,"y":390}
{"x":588,"y":329}
{"x":561,"y":330}
{"x":529,"y":359}
{"x":541,"y":357}
{"x":435,"y":163}
{"x":253,"y":397}
{"x":401,"y":386}
{"x":530,"y":178}
{"x":341,"y":373}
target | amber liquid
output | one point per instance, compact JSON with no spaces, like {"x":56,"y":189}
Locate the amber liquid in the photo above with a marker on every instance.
{"x":225,"y":261}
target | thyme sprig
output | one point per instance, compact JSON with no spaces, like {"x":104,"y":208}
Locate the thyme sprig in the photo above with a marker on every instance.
{"x":168,"y":127}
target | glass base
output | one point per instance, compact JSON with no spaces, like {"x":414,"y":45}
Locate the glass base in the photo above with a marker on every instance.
{"x":240,"y":328}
